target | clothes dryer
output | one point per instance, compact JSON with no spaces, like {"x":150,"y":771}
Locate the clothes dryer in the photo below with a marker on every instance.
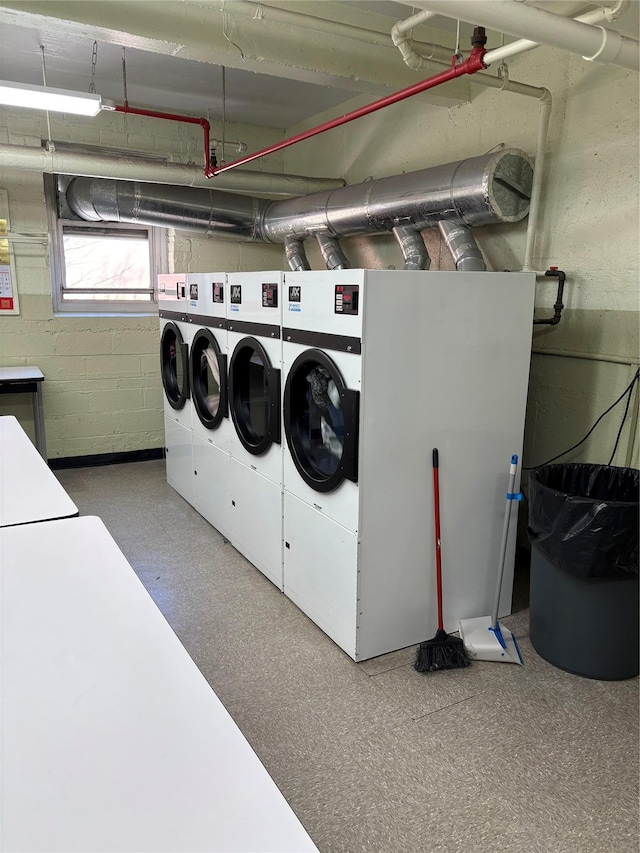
{"x":381,"y":367}
{"x":174,"y":368}
{"x":255,"y":355}
{"x":208,"y":379}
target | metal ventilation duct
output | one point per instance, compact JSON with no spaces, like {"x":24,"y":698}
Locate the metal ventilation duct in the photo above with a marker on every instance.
{"x":477,"y":191}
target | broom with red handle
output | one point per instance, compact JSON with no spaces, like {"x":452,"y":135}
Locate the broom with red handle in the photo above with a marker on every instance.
{"x":443,"y":651}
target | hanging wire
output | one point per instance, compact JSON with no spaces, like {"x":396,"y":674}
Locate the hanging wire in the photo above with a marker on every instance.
{"x":624,"y":418}
{"x":628,"y":390}
{"x":124,"y":76}
{"x":224,"y":32}
{"x":50,"y":146}
{"x":458,"y":54}
{"x":224,"y":112}
{"x":94,"y":60}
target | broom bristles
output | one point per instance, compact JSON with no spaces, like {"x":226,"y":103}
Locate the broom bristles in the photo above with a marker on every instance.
{"x":442,"y":652}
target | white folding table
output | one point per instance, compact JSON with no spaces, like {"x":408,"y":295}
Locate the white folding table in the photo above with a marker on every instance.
{"x":112,"y":740}
{"x":27,"y":380}
{"x":29,"y":490}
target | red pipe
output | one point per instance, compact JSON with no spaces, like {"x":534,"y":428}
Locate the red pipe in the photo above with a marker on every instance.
{"x":469,"y":66}
{"x":204,"y":124}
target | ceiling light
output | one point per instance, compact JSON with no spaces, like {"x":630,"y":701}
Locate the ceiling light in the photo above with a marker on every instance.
{"x":53,"y":100}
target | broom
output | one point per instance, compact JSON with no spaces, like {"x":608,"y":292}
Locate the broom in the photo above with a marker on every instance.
{"x":443,"y":651}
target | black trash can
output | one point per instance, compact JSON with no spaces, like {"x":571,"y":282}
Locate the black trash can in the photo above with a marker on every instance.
{"x":584,"y":605}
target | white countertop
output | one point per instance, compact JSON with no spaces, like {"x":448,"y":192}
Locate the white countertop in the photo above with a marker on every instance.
{"x":29,"y":490}
{"x":112,"y":740}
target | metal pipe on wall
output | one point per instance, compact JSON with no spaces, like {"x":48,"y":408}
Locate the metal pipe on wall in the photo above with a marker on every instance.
{"x":516,"y":18}
{"x":596,"y":16}
{"x":119,"y":166}
{"x":462,"y":247}
{"x":206,"y":211}
{"x":502,"y":82}
{"x":495,"y":187}
{"x":414,"y":251}
{"x":479,"y":190}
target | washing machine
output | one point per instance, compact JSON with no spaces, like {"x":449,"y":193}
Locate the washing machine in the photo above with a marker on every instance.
{"x":208,"y":381}
{"x":255,"y":360}
{"x":379,"y":368}
{"x":175,"y":331}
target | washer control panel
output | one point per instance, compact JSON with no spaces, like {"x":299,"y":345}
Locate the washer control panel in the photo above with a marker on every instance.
{"x":346,"y":298}
{"x":217,"y":291}
{"x":269,"y":294}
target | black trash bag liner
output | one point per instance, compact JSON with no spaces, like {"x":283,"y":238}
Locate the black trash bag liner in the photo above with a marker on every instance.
{"x":584,"y":518}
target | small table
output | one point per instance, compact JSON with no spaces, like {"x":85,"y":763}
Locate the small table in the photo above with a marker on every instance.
{"x":29,"y":491}
{"x":111,"y":737}
{"x":27,"y":380}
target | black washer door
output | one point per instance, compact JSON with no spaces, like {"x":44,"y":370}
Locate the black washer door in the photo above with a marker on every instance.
{"x":174,"y":366}
{"x":254,"y":387}
{"x":208,"y":379}
{"x":321,"y":422}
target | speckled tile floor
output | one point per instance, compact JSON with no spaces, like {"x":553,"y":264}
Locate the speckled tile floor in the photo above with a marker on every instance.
{"x":374,"y":756}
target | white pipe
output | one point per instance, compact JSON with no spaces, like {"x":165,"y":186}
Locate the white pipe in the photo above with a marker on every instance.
{"x":542,"y":95}
{"x":536,"y":187}
{"x":240,"y":147}
{"x":413,"y":21}
{"x":292,"y":17}
{"x":515,"y":18}
{"x":604,"y":13}
{"x":151,"y":171}
{"x":413,"y":53}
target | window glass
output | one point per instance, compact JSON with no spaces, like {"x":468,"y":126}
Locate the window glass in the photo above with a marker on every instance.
{"x":107,"y":267}
{"x":255,"y":396}
{"x":172,"y":366}
{"x":113,"y":266}
{"x":210,"y":380}
{"x":320,"y":417}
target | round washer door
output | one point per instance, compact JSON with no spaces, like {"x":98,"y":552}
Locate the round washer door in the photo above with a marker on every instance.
{"x":321,"y":422}
{"x":208,"y":379}
{"x":254,"y":389}
{"x":174,"y":366}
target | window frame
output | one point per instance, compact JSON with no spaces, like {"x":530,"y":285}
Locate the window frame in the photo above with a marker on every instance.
{"x":158,"y":251}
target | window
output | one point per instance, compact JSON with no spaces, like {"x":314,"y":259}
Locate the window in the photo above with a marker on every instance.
{"x":101,"y":267}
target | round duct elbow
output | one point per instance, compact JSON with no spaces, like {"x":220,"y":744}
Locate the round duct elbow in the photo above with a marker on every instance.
{"x":94,"y":206}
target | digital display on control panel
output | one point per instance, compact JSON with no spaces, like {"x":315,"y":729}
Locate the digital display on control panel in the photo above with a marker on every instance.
{"x":217,"y":291}
{"x":235,"y":294}
{"x":193,"y":291}
{"x":346,"y":298}
{"x":269,"y":295}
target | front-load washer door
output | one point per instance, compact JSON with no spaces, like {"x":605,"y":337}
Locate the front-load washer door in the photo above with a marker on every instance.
{"x":254,"y":390}
{"x":208,"y":379}
{"x":321,"y":422}
{"x":174,"y":366}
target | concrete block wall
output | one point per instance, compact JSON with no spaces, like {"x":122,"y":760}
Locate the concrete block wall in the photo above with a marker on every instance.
{"x":102,"y":389}
{"x":589,"y":227}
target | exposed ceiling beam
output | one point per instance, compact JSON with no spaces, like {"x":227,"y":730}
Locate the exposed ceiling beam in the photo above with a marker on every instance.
{"x":288,"y":40}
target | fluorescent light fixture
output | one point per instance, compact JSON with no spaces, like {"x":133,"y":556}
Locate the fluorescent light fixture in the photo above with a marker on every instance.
{"x":45,"y":98}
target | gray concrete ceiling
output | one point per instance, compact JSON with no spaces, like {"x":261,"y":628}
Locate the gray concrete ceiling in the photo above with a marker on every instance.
{"x":276,"y":74}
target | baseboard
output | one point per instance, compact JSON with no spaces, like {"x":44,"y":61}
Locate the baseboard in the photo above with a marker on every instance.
{"x":106,"y":459}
